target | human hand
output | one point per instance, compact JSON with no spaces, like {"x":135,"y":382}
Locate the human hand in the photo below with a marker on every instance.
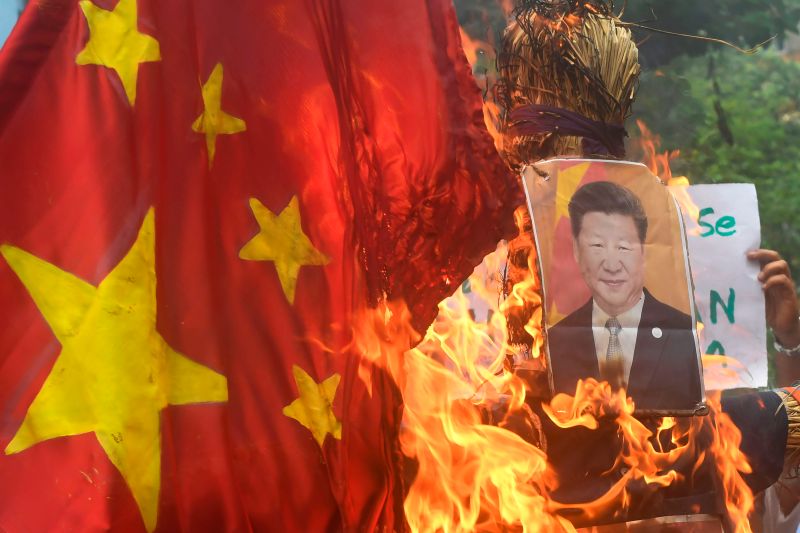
{"x":780,"y":295}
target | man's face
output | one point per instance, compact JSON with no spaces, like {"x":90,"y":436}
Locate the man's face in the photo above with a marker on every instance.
{"x":611,"y":260}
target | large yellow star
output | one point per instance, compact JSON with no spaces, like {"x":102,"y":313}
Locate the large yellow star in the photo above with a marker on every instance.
{"x":568,"y":181}
{"x":282,"y":241}
{"x":116,"y":43}
{"x":115,"y":373}
{"x":213,"y":120}
{"x":314,"y":408}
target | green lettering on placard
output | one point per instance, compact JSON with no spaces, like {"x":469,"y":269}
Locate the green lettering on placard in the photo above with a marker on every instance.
{"x":724,"y":227}
{"x":715,"y":348}
{"x":709,"y":228}
{"x":728,"y":307}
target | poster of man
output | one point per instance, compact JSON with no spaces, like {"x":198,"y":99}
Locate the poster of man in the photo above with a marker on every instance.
{"x":616,"y":283}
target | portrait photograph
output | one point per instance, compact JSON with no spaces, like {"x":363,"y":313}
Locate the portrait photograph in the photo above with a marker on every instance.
{"x":618,"y":303}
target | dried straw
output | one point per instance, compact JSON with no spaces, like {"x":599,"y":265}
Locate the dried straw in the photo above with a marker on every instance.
{"x":568,"y":54}
{"x":792,"y":407}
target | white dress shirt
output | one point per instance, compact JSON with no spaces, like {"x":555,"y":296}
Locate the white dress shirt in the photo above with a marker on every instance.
{"x":629,"y":321}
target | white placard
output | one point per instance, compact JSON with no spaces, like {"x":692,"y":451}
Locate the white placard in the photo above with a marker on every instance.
{"x":722,"y":225}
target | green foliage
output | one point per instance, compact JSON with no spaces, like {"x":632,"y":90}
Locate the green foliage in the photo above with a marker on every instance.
{"x":742,"y":22}
{"x":760,"y":96}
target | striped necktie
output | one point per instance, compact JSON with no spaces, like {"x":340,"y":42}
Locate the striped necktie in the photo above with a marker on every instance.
{"x":613,"y":371}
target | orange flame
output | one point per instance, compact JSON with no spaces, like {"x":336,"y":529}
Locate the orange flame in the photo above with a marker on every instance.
{"x":657,"y":162}
{"x":641,"y":461}
{"x":471,"y":475}
{"x":717,"y":369}
{"x":463,"y":394}
{"x":472,"y":47}
{"x":731,"y":462}
{"x":482,"y":58}
{"x":461,"y":398}
{"x":526,"y":292}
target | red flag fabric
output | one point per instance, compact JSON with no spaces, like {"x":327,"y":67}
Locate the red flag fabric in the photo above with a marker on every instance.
{"x":192,"y":194}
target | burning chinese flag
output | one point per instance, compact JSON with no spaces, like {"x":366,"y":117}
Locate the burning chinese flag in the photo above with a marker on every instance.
{"x":197,"y":198}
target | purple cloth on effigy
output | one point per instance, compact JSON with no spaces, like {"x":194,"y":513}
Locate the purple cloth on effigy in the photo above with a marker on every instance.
{"x":599,"y":138}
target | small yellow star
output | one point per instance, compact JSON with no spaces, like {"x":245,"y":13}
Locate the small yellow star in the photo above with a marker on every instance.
{"x":282,"y":241}
{"x":314,"y":408}
{"x":115,"y":372}
{"x":213,"y":120}
{"x":116,"y":43}
{"x":568,"y":181}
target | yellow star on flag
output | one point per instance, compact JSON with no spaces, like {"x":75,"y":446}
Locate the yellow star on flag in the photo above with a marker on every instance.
{"x":282,"y":241}
{"x":213,"y":120}
{"x":314,"y":408}
{"x":116,"y":43}
{"x":568,"y":181}
{"x":115,"y":373}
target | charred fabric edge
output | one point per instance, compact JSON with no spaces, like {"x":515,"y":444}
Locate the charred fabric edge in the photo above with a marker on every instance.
{"x":356,"y":153}
{"x":599,"y":138}
{"x":414,"y":252}
{"x":474,"y":180}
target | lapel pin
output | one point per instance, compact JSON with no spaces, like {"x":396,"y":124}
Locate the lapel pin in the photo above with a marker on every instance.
{"x":657,"y":333}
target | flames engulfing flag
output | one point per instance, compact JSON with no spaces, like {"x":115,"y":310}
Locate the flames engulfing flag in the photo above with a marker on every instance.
{"x":197,"y":199}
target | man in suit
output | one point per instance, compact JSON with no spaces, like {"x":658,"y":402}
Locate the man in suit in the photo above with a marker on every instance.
{"x":623,"y":334}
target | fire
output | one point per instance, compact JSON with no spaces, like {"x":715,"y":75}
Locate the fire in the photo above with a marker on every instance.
{"x":718,"y":370}
{"x":731,"y":463}
{"x":482,"y":58}
{"x":472,"y":47}
{"x":462,"y":399}
{"x":657,"y":162}
{"x":524,"y":300}
{"x":478,"y":451}
{"x":471,"y":475}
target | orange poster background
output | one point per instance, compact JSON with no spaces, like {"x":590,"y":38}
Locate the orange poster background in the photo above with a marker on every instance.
{"x":666,"y":266}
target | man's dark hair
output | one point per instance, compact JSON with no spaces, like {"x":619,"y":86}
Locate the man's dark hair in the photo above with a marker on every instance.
{"x":609,"y":198}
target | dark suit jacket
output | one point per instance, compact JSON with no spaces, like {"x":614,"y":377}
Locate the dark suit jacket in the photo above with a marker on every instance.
{"x":664,"y":374}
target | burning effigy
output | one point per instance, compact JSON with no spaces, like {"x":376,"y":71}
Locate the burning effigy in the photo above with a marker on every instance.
{"x":608,"y":440}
